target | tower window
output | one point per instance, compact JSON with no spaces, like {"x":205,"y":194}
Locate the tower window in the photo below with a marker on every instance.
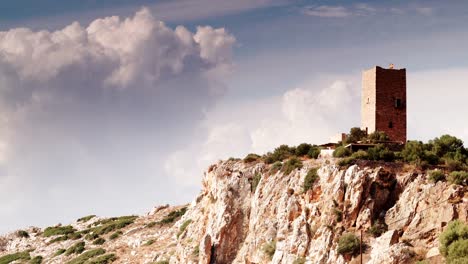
{"x":398,"y":103}
{"x":390,"y":124}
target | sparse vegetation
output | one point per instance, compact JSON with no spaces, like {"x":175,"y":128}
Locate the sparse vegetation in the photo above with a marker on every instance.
{"x":115,"y":235}
{"x":300,"y":260}
{"x":458,"y":177}
{"x":77,"y":248}
{"x":436,"y":175}
{"x":196,"y":251}
{"x":255,"y":181}
{"x":36,"y":260}
{"x":89,"y":254}
{"x":58,"y":230}
{"x":309,"y":179}
{"x":108,"y":225}
{"x":348,"y":244}
{"x":276,"y":167}
{"x":86,"y":218}
{"x":150,"y":224}
{"x":183,"y":227}
{"x":162,"y":262}
{"x":24,"y":255}
{"x":279,"y":154}
{"x":99,"y":241}
{"x":172,"y":216}
{"x":59,"y":252}
{"x":341,"y":152}
{"x":377,"y":229}
{"x":91,"y":236}
{"x":290,"y":165}
{"x":104,"y":259}
{"x":454,"y":242}
{"x":338,"y":214}
{"x":149,"y":242}
{"x":269,"y":249}
{"x":22,"y":233}
{"x":251,"y":158}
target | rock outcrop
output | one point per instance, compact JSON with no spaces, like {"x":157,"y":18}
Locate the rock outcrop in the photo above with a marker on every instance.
{"x":254,"y":213}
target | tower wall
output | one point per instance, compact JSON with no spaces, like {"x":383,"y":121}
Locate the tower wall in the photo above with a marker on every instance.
{"x":384,"y":102}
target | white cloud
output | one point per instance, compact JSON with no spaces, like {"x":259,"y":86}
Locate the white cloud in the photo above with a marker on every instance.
{"x":327,"y":11}
{"x":85,"y":106}
{"x":427,"y":11}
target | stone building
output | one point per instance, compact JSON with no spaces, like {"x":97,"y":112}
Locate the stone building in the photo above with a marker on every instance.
{"x":383,"y":106}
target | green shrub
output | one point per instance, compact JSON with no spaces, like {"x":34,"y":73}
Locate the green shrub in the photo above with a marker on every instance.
{"x":111,"y":224}
{"x":360,"y":154}
{"x":458,"y":252}
{"x":115,"y":235}
{"x":291,"y":164}
{"x":380,"y":152}
{"x":338,"y":214}
{"x":149,"y":242}
{"x":346,"y":161}
{"x":255,"y":181}
{"x":36,"y":260}
{"x":183,"y":227}
{"x":58,"y":230}
{"x":458,"y":177}
{"x":24,"y":255}
{"x":341,"y":152}
{"x":75,"y":249}
{"x":377,"y":229}
{"x":436,"y":175}
{"x":413,"y":152}
{"x":276,"y":167}
{"x":150,"y":224}
{"x":172,"y":216}
{"x":59,"y":238}
{"x":377,"y":136}
{"x":309,"y":179}
{"x":86,"y":218}
{"x":452,"y":239}
{"x":302,"y":149}
{"x":355,"y":134}
{"x":83,"y":258}
{"x":269,"y":249}
{"x":99,"y":241}
{"x":251,"y":158}
{"x":104,"y":259}
{"x":196,"y":251}
{"x":348,"y":244}
{"x":300,"y":260}
{"x":162,"y":262}
{"x":22,"y":233}
{"x":314,"y":152}
{"x":91,"y":236}
{"x":279,"y":154}
{"x":59,"y":252}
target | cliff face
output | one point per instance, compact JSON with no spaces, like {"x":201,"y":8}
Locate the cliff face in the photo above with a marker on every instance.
{"x":231,"y":221}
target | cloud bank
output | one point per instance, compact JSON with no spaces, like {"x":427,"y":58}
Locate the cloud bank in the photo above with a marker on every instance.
{"x":89,"y":112}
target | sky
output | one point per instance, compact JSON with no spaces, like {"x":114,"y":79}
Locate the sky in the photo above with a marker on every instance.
{"x":113,"y":107}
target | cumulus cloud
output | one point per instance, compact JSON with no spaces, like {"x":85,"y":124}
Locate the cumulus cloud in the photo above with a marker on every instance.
{"x":84,"y":106}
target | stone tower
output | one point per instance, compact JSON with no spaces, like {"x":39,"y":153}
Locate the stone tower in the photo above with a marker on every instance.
{"x":383,"y":106}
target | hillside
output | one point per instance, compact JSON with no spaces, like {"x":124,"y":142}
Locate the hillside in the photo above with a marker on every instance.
{"x":253,"y":212}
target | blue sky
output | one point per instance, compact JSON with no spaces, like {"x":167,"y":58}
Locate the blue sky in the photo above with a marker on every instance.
{"x":112,"y":116}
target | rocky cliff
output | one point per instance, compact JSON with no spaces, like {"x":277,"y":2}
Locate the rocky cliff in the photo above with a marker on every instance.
{"x":260,"y":213}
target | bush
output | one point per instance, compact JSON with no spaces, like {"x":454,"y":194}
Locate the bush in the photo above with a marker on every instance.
{"x":99,"y":241}
{"x":436,"y":175}
{"x":58,"y":230}
{"x":183,"y":227}
{"x":59,"y":252}
{"x":314,"y":152}
{"x":458,"y":177}
{"x":85,"y":218}
{"x":87,"y":256}
{"x":75,"y":249}
{"x":269,"y":249}
{"x":115,"y":235}
{"x":341,"y":152}
{"x":162,"y":262}
{"x":24,"y":255}
{"x":91,"y":236}
{"x":303,"y":149}
{"x":377,"y":136}
{"x":309,"y":179}
{"x":276,"y":167}
{"x":251,"y":158}
{"x":104,"y":259}
{"x":108,"y":225}
{"x":355,"y":134}
{"x":150,"y":242}
{"x":280,"y":153}
{"x":172,"y":216}
{"x":255,"y":181}
{"x":454,"y":242}
{"x":348,"y":244}
{"x":290,"y":165}
{"x":22,"y":233}
{"x":380,"y":152}
{"x":338,"y":214}
{"x":346,"y":161}
{"x":300,"y":260}
{"x":36,"y":260}
{"x":360,"y":154}
{"x":377,"y":229}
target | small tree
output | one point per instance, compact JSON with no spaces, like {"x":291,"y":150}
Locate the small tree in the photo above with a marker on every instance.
{"x":355,"y":134}
{"x":454,"y":242}
{"x":303,"y":149}
{"x":341,"y":152}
